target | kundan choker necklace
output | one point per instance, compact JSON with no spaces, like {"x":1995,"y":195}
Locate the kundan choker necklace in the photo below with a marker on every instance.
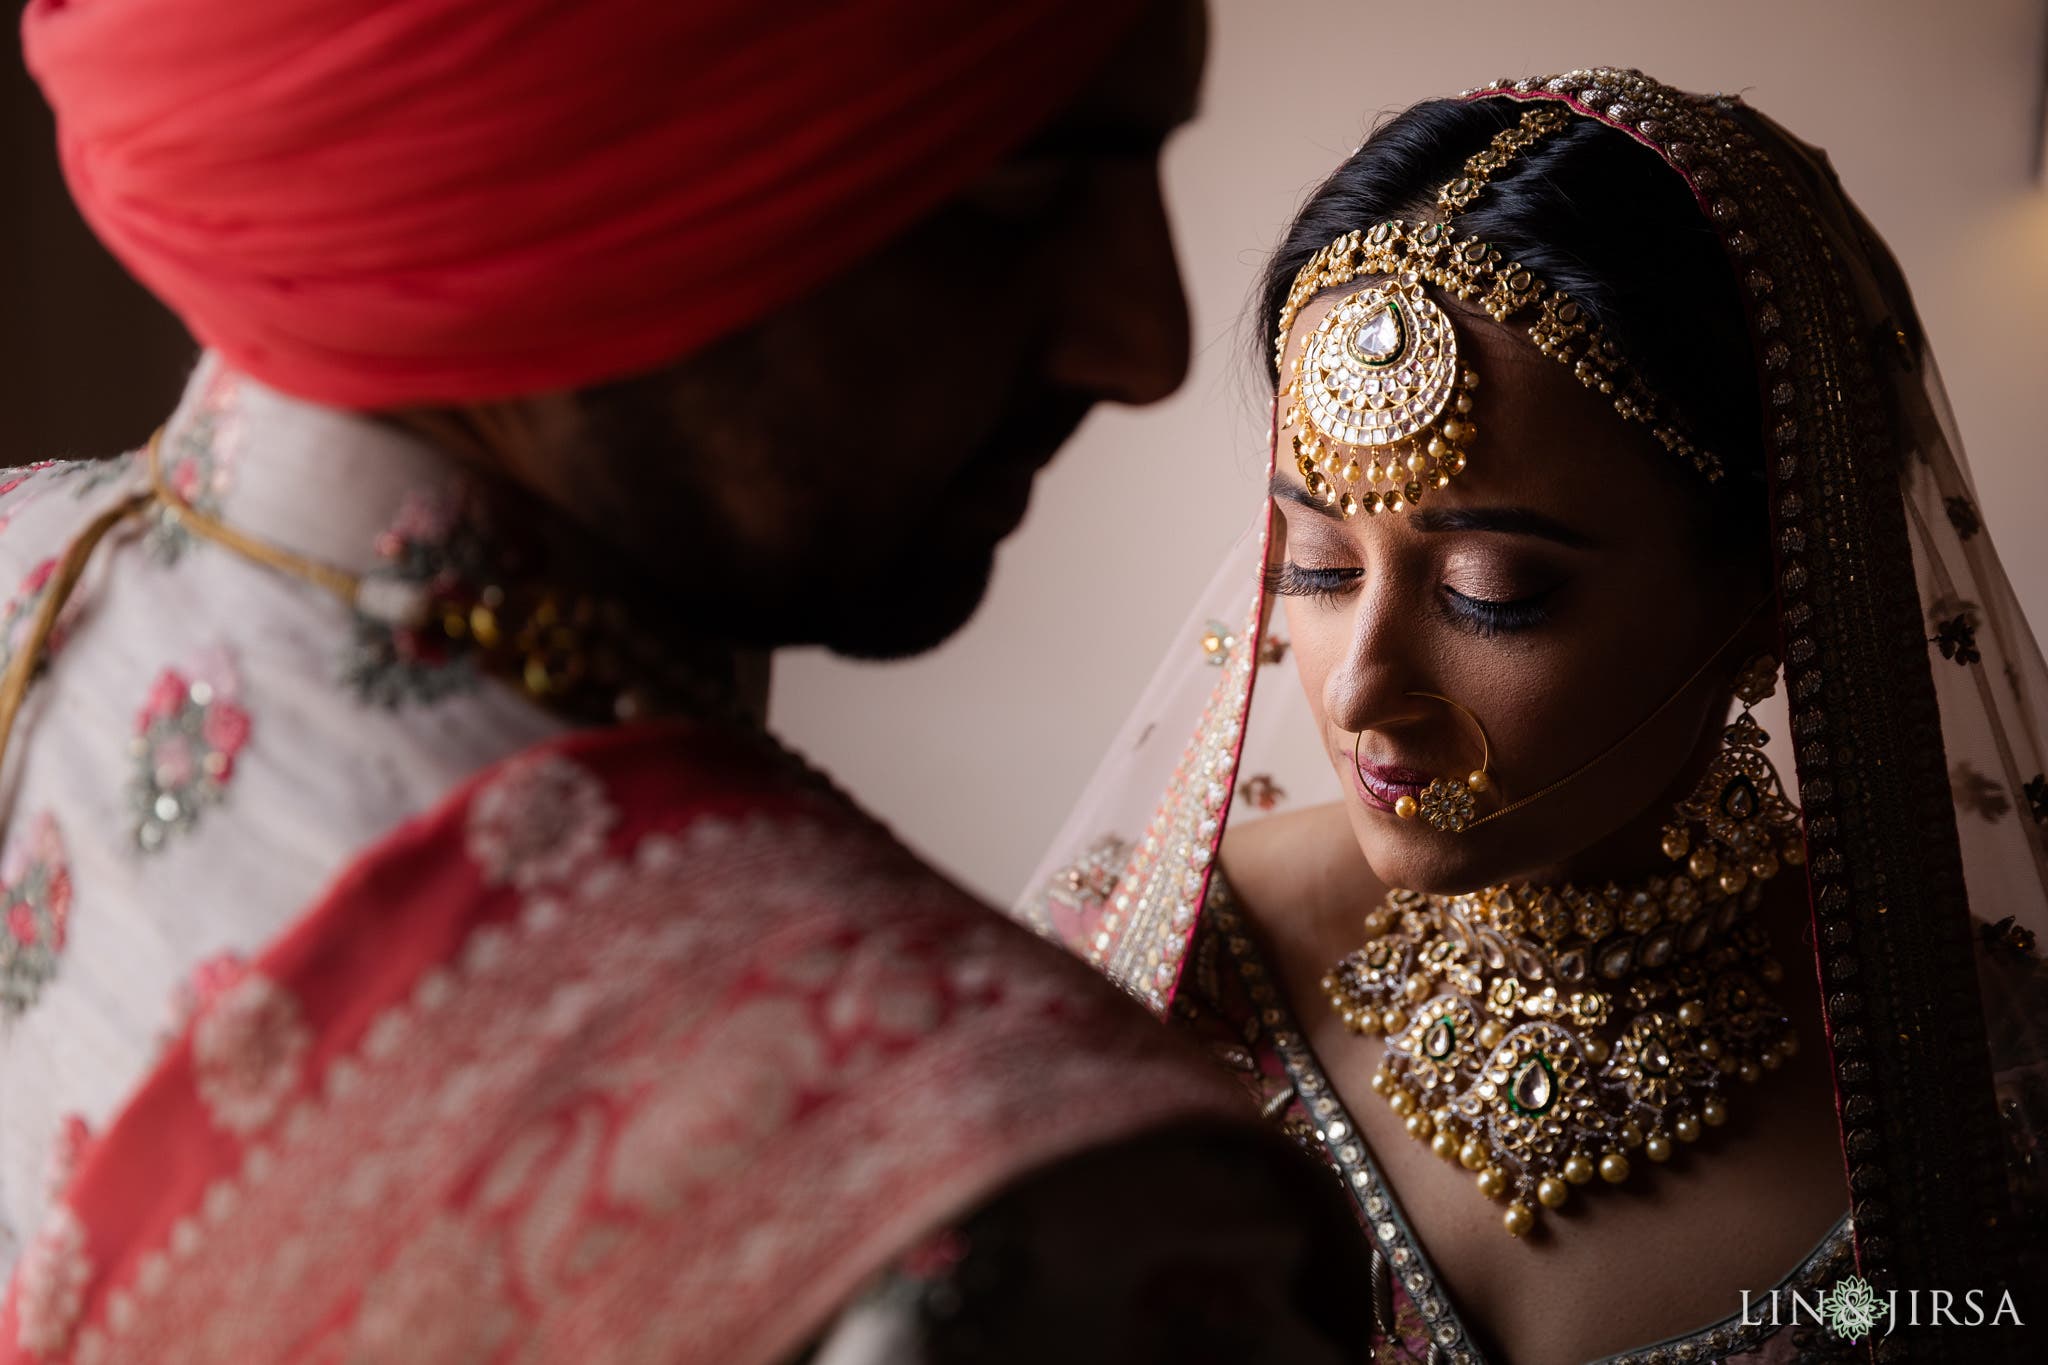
{"x":1539,"y":1036}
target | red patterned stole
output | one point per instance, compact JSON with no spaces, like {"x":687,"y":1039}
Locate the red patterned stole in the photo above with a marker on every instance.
{"x":644,"y":1046}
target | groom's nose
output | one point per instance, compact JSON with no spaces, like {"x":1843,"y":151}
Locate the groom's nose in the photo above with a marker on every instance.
{"x":1121,"y":330}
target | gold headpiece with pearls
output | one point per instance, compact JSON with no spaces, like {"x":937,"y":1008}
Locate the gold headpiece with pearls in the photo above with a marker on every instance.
{"x":1378,"y":410}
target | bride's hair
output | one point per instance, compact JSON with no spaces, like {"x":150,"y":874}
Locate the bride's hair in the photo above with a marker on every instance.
{"x":1599,"y":217}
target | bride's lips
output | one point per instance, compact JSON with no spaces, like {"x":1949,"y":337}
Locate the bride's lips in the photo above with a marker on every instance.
{"x":1381,"y":785}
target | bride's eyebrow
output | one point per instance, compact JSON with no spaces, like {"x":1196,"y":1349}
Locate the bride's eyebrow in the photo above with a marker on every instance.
{"x":1291,"y":489}
{"x":1518,"y":521}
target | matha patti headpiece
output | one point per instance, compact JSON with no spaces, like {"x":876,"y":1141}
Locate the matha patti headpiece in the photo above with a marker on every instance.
{"x":1378,"y":406}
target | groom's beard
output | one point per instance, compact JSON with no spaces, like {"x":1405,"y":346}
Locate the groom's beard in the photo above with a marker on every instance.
{"x":919,"y":596}
{"x":755,"y":536}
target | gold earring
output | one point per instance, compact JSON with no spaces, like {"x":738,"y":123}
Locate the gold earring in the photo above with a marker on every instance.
{"x":1446,"y":804}
{"x":1738,"y":823}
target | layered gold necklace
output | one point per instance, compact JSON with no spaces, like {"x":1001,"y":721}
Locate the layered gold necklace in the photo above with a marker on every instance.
{"x":1538,"y":1036}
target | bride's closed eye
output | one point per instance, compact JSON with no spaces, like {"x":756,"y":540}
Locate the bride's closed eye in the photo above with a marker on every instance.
{"x":1467,"y":611}
{"x":1296,"y":580}
{"x":1491,"y":616}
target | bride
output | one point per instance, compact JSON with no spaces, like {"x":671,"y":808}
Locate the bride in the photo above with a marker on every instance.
{"x":1608,"y":447}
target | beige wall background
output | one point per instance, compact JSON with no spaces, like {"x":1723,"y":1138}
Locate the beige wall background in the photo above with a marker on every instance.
{"x":1931,"y":111}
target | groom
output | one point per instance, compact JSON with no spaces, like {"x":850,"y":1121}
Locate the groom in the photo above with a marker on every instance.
{"x":632,"y":1041}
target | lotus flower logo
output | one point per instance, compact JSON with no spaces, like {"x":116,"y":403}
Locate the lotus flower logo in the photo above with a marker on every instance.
{"x":1852,"y":1308}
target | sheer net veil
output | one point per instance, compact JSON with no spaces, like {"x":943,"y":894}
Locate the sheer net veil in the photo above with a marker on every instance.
{"x":1915,"y":700}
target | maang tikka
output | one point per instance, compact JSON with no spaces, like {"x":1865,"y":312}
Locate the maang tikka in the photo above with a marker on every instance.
{"x":1375,"y":405}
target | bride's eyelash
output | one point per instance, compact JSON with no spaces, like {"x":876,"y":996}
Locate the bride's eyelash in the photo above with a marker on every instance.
{"x":1479,"y":615}
{"x":1483,"y":616}
{"x":1292,"y":580}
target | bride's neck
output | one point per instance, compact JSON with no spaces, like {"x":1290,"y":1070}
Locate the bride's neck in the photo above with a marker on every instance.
{"x":1634,"y":851}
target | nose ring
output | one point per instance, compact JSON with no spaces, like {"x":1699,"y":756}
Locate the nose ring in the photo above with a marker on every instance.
{"x":1446,"y":804}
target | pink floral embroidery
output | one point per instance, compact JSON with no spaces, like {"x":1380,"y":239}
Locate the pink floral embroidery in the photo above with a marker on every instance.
{"x":248,"y":1050}
{"x":226,"y":729}
{"x":433,"y":561}
{"x":423,"y":519}
{"x":51,"y":1283}
{"x":35,"y":888}
{"x":187,"y":736}
{"x":20,"y":611}
{"x":199,"y":461}
{"x":538,"y":822}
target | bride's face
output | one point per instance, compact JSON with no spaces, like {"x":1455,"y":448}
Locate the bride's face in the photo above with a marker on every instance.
{"x":1561,"y":589}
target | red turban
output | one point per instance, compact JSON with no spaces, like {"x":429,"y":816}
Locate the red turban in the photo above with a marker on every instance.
{"x":372,"y":203}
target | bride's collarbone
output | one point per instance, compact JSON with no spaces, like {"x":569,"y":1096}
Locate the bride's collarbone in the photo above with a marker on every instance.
{"x":1306,"y":865}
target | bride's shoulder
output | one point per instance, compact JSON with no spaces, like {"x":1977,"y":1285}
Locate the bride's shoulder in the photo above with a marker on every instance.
{"x":1301,"y":860}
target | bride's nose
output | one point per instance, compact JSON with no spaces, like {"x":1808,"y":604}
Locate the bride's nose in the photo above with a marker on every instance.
{"x":1370,"y":685}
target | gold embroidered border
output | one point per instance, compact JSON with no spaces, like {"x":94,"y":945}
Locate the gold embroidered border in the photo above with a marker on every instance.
{"x":1150,"y":920}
